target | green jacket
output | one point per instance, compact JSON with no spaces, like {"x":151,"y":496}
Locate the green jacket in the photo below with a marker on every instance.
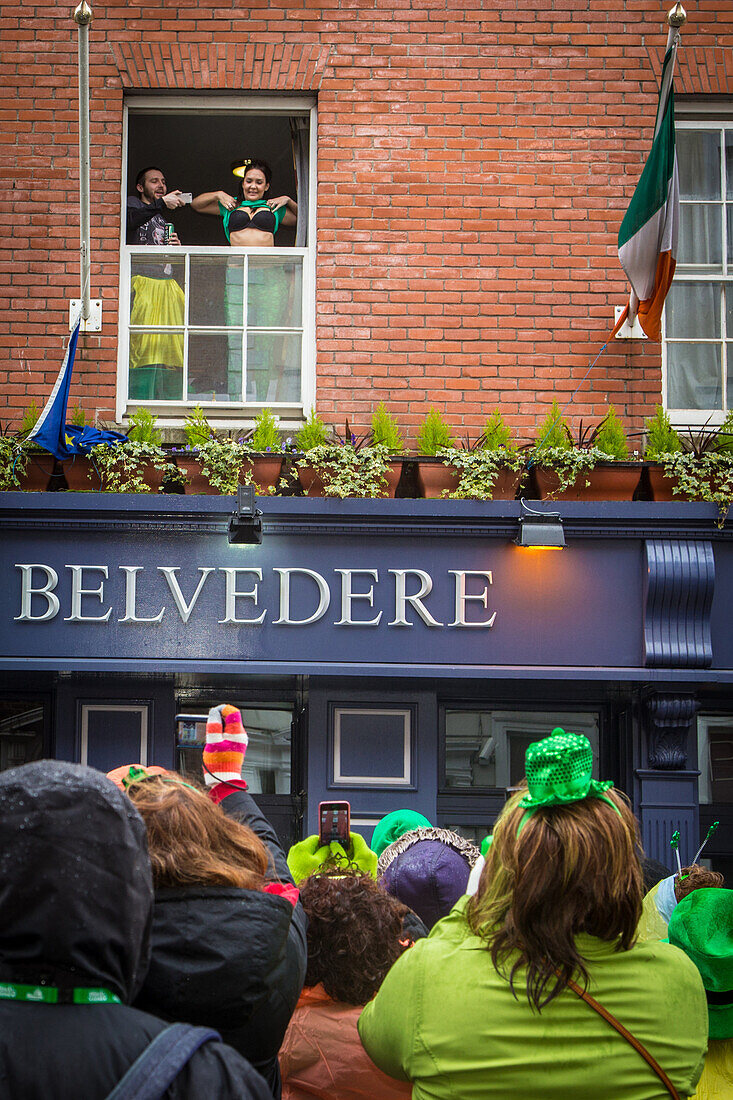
{"x":447,"y":1021}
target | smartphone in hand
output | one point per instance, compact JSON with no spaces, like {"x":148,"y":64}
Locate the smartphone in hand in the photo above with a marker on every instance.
{"x":334,"y":823}
{"x":186,"y":196}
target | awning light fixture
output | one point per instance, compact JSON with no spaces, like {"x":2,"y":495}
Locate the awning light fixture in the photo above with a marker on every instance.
{"x":245,"y":525}
{"x":540,"y":530}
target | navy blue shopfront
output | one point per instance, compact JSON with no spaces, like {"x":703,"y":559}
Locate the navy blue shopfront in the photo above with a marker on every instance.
{"x":394,"y":653}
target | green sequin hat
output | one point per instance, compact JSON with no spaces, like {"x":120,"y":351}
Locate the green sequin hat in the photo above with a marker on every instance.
{"x":558,"y":771}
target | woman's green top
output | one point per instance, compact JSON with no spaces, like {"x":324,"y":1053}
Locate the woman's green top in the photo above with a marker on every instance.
{"x":250,"y":204}
{"x":445,"y":1020}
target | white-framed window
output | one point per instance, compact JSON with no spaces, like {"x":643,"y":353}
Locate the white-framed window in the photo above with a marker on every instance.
{"x":715,"y":758}
{"x":229,"y":329}
{"x":372,"y":747}
{"x":112,"y":734}
{"x":697,"y":356}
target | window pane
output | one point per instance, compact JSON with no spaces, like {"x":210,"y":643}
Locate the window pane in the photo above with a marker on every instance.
{"x":21,"y":732}
{"x":273,"y":367}
{"x":729,"y":212}
{"x":156,"y":366}
{"x":693,"y":376}
{"x":693,"y":311}
{"x":698,"y":156}
{"x":700,"y":235}
{"x":470,"y":750}
{"x":274,"y":293}
{"x":729,"y":380}
{"x":209,"y":298}
{"x":267,"y":763}
{"x":215,"y":367}
{"x":729,"y":163}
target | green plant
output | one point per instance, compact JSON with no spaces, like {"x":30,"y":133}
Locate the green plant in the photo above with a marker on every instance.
{"x":385,"y":430}
{"x":222,"y":462}
{"x":434,"y":434}
{"x":78,"y":417}
{"x":496,"y":435}
{"x":610,"y":436}
{"x":347,"y":471}
{"x":197,"y":429}
{"x":661,"y":438}
{"x":707,"y":477}
{"x":314,"y":433}
{"x":479,"y":469}
{"x":554,"y":432}
{"x":266,"y":436}
{"x":124,"y":467}
{"x":12,"y":460}
{"x":143,"y":428}
{"x":30,"y":416}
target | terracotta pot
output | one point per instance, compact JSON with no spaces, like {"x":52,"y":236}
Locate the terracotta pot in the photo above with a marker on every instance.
{"x":80,"y":474}
{"x":195,"y":482}
{"x":434,"y":477}
{"x":38,"y":473}
{"x":265,"y":470}
{"x":606,"y":481}
{"x":506,"y":485}
{"x":393,"y":474}
{"x":661,"y":486}
{"x":311,"y":481}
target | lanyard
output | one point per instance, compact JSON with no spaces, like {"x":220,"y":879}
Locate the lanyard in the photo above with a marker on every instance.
{"x":52,"y":995}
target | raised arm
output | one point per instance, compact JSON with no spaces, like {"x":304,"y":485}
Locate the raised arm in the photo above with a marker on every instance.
{"x":209,"y":202}
{"x":290,"y":216}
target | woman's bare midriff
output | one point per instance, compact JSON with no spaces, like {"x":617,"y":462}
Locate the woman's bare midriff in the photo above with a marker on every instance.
{"x":251,"y":238}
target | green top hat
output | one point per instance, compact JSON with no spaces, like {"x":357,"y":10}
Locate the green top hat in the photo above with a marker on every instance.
{"x":559,"y":771}
{"x":702,"y":926}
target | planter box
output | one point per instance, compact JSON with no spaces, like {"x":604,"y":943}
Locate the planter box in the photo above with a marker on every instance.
{"x":606,"y":481}
{"x":264,"y":470}
{"x":393,"y":475}
{"x":38,"y":473}
{"x":434,"y":477}
{"x":195,"y":483}
{"x":661,"y":486}
{"x":80,"y":474}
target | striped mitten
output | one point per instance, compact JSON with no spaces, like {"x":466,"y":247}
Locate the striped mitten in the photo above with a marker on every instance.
{"x":226,"y":744}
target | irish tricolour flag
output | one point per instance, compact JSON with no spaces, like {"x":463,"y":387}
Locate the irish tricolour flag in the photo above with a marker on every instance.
{"x":647,"y":239}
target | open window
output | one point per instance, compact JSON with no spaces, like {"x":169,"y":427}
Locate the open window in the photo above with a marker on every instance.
{"x":230,"y":329}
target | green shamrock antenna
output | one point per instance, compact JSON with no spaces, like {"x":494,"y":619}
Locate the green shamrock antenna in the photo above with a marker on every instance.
{"x":675,"y":846}
{"x":710,"y":833}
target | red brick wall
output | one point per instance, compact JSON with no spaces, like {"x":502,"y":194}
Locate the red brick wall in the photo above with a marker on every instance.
{"x":473,"y":169}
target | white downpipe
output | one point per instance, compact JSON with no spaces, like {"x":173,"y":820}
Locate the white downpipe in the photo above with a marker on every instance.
{"x":82,"y":18}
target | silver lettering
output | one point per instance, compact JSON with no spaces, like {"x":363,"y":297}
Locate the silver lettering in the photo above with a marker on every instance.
{"x":323,"y":591}
{"x":233,"y":594}
{"x":131,"y":615}
{"x":184,"y":609}
{"x":27,"y":592}
{"x":78,"y":592}
{"x":415,"y":601}
{"x":348,"y":596}
{"x":462,"y":596}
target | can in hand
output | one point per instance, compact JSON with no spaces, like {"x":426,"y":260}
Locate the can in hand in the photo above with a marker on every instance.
{"x":168,"y":232}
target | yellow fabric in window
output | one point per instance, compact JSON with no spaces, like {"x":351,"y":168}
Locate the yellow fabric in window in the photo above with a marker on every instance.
{"x":156,"y":302}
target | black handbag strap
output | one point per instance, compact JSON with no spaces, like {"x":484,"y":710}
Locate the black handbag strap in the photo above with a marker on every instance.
{"x":162,"y":1060}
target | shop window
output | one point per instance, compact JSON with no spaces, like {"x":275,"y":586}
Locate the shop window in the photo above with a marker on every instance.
{"x":113,"y":734}
{"x":229,"y":329}
{"x":21,"y":732}
{"x":698,"y":327}
{"x":267,"y":762}
{"x":485,"y":749}
{"x":372,"y":746}
{"x":715,"y":760}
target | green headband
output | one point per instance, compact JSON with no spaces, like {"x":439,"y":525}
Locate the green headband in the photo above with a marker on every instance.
{"x":139,"y":775}
{"x":558,"y":770}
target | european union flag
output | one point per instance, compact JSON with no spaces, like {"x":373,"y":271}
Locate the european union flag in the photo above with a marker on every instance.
{"x":51,"y":430}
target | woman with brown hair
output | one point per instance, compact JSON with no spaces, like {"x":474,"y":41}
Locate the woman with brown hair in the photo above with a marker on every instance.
{"x":355,"y":934}
{"x":496,"y":1002}
{"x":228,"y":939}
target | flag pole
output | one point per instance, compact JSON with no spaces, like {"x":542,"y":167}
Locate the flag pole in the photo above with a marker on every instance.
{"x":82,"y":18}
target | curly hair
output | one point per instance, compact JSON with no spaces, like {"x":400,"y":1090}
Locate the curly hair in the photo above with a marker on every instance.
{"x":696,"y":878}
{"x":572,"y":869}
{"x":354,"y":930}
{"x":192,"y":841}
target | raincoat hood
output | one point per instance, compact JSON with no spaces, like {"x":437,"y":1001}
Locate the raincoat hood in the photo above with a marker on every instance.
{"x":76,"y":894}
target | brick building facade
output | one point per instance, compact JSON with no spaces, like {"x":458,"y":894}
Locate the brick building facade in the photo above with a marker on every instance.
{"x":472,"y":169}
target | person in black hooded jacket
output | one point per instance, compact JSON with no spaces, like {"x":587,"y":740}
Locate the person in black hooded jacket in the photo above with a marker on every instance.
{"x":76,"y":903}
{"x":229,"y":934}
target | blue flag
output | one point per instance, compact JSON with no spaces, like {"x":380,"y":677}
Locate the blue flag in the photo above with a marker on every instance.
{"x":51,"y":430}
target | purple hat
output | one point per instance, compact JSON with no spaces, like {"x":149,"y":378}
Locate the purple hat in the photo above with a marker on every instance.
{"x":427,"y":869}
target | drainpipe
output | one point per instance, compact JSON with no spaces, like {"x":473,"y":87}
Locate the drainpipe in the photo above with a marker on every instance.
{"x":82,"y":18}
